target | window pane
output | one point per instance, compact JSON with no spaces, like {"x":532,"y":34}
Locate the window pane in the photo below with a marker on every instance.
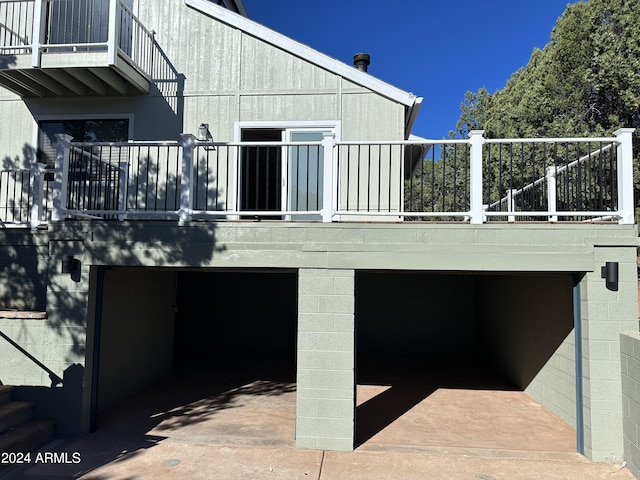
{"x":102,"y":130}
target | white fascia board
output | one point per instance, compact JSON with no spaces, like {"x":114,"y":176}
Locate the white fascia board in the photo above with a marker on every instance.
{"x":412,"y":114}
{"x":303,"y":51}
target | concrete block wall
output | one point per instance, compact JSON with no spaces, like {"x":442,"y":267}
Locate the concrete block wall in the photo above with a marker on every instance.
{"x":23,"y":270}
{"x":211,"y":303}
{"x":526,"y":329}
{"x":15,"y":369}
{"x":555,"y":385}
{"x":326,"y":359}
{"x":136,"y":334}
{"x":415,"y":313}
{"x":67,"y":302}
{"x":59,"y":340}
{"x":605,"y":315}
{"x":630,"y":364}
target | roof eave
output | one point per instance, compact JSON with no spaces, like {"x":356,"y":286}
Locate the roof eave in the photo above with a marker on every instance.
{"x":412,"y":115}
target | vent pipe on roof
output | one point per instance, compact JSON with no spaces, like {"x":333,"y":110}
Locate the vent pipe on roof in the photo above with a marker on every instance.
{"x":361,"y":61}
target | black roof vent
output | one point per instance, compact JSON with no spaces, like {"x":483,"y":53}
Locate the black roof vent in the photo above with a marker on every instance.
{"x":361,"y":61}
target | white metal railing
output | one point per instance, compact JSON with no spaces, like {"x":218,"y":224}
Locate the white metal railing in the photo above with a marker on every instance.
{"x":569,"y":183}
{"x":16,"y":26}
{"x":23,"y":197}
{"x":472,"y":180}
{"x":38,"y":26}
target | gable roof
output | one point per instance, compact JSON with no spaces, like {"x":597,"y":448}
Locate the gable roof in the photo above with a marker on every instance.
{"x":409,"y":100}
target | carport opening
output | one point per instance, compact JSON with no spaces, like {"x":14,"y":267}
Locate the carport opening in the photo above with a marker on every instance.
{"x":206,"y":354}
{"x":465,"y":360}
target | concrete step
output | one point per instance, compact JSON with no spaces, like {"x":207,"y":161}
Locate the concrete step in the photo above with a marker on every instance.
{"x":5,"y":393}
{"x":14,"y":413}
{"x":27,"y":437}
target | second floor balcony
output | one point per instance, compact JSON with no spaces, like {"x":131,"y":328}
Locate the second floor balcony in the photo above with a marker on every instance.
{"x":54,"y":48}
{"x":475,"y":180}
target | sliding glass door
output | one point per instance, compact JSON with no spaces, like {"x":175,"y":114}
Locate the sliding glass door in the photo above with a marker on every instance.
{"x":278,"y":178}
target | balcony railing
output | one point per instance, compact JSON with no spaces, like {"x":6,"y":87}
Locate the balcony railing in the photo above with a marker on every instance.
{"x":47,"y":26}
{"x":16,"y":26}
{"x":475,"y":180}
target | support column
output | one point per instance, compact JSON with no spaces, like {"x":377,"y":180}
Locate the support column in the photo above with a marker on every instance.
{"x":326,"y":360}
{"x":476,"y":139}
{"x":605,"y":314}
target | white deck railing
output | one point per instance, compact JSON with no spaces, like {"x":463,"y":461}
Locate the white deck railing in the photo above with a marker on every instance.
{"x":473,"y":180}
{"x":42,"y":26}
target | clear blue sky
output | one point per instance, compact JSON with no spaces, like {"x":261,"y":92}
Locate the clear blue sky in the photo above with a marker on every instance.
{"x":438,"y":50}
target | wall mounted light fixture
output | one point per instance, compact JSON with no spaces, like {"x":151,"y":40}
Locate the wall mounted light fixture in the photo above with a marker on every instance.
{"x":71,"y":265}
{"x":609,"y":272}
{"x":204,"y":134}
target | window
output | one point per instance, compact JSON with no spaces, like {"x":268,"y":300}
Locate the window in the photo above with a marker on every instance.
{"x":99,"y":130}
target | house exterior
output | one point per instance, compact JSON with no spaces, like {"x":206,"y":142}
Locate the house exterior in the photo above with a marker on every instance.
{"x":179,"y":159}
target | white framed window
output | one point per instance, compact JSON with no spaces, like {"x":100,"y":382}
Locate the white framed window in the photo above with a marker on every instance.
{"x":83,"y":128}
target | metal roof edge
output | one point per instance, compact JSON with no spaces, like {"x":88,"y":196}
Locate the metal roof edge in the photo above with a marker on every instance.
{"x":303,"y":51}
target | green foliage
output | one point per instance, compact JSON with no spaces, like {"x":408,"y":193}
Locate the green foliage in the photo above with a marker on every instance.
{"x":584,"y":82}
{"x":474,"y":109}
{"x":441,"y":183}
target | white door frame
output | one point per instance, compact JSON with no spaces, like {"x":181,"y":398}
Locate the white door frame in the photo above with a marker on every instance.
{"x":334,"y":126}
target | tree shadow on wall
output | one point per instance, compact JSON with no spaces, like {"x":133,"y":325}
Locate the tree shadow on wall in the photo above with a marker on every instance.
{"x":7,"y":61}
{"x":31,"y":276}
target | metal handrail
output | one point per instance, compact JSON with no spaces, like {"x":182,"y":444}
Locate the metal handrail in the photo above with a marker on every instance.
{"x":197,"y":179}
{"x":558,"y":170}
{"x":55,"y":378}
{"x":136,"y":44}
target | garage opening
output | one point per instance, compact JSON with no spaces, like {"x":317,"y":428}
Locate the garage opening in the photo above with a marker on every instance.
{"x":465,"y":360}
{"x":205,"y":355}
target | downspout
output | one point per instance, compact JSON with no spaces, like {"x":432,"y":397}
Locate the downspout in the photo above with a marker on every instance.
{"x":577,"y":331}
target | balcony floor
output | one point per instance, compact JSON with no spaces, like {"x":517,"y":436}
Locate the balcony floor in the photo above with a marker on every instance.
{"x":67,"y":74}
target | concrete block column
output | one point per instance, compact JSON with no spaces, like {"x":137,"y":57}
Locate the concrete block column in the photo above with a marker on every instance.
{"x":630,"y":357}
{"x":326,"y":359}
{"x":605,"y":315}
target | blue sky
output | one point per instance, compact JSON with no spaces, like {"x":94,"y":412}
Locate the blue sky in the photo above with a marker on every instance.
{"x":437,"y":50}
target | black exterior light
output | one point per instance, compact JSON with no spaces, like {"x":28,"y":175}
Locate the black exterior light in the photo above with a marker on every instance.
{"x":72,"y":266}
{"x":610,"y":273}
{"x":204,"y":134}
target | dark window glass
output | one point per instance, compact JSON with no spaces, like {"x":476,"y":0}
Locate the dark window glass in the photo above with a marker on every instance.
{"x":100,"y":130}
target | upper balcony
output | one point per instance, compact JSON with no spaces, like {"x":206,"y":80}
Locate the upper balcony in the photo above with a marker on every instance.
{"x":475,"y":180}
{"x":50,"y":48}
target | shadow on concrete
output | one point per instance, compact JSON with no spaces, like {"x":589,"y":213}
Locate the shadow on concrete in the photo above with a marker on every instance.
{"x":249,"y":399}
{"x":196,"y":394}
{"x":403,"y":382}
